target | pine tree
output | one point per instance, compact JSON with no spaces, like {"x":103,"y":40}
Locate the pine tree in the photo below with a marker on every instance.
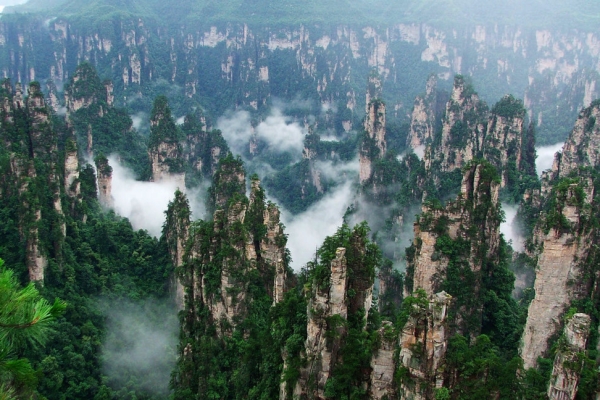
{"x":25,"y":319}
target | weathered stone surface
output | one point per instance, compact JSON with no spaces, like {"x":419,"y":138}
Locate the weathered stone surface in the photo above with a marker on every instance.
{"x":422,"y":121}
{"x":463,"y":129}
{"x":430,"y":265}
{"x":161,"y":170}
{"x":581,"y":148}
{"x":104,"y":177}
{"x":374,"y":144}
{"x":383,"y":366}
{"x":321,"y":357}
{"x":423,"y":344}
{"x":557,"y":277}
{"x":564,"y":380}
{"x":72,"y":184}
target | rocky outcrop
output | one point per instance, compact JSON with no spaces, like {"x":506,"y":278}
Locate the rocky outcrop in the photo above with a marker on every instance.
{"x":327,"y":311}
{"x":564,"y":240}
{"x":176,"y":231}
{"x":72,"y":183}
{"x":164,"y":148}
{"x":83,"y":90}
{"x":383,"y":366}
{"x":423,"y":343}
{"x":476,"y":206}
{"x":214,"y":259}
{"x":567,"y":363}
{"x":463,"y":129}
{"x":581,"y":148}
{"x":203,"y":148}
{"x":505,"y":137}
{"x":538,"y":64}
{"x":31,"y":176}
{"x":563,"y":236}
{"x":374,"y":144}
{"x":272,"y":248}
{"x":423,"y":117}
{"x":104,"y":177}
{"x":160,"y":159}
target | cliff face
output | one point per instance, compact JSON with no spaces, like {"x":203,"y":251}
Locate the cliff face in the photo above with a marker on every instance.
{"x":104,"y":176}
{"x":504,"y":140}
{"x":567,"y":363}
{"x":469,"y":130}
{"x":321,"y":349}
{"x":563,"y":238}
{"x":423,"y":343}
{"x":164,"y":149}
{"x":177,"y":226}
{"x":216,"y":259}
{"x":537,"y":64}
{"x":423,"y":118}
{"x":477,"y":205}
{"x":373,"y":145}
{"x":72,"y":183}
{"x":97,"y":125}
{"x":340,"y":297}
{"x":203,"y":148}
{"x":29,"y":144}
{"x":463,"y":129}
{"x":581,"y":148}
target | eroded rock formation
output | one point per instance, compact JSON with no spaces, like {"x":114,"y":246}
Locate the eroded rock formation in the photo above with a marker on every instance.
{"x":164,"y":149}
{"x":423,"y":118}
{"x":563,"y":237}
{"x":177,"y":226}
{"x":477,"y":205}
{"x":423,"y":343}
{"x":104,"y":176}
{"x":327,"y":311}
{"x":567,"y":363}
{"x":215,"y":259}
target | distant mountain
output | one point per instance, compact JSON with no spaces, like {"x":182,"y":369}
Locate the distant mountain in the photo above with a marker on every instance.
{"x":535,"y":13}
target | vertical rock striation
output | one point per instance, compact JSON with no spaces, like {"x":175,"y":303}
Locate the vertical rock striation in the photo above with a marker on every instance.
{"x":563,"y":237}
{"x":476,"y":206}
{"x":176,"y":231}
{"x":104,"y":176}
{"x":327,"y":311}
{"x":216,"y":259}
{"x":567,"y":363}
{"x":164,"y":148}
{"x":373,"y":145}
{"x":423,"y":343}
{"x":423,"y":117}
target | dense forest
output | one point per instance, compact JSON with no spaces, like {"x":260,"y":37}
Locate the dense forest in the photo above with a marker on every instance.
{"x":263,"y":203}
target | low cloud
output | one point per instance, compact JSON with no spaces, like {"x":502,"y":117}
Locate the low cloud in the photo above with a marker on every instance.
{"x":144,"y":203}
{"x":419,"y":152}
{"x":545,"y":157}
{"x":138,"y":119}
{"x":140,"y":345}
{"x":278,"y":131}
{"x":337,"y":172}
{"x":307,"y":230}
{"x":510,"y":229}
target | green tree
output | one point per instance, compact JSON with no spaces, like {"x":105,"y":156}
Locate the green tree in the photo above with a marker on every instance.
{"x":25,"y":319}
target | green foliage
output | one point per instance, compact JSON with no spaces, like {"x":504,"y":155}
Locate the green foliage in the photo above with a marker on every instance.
{"x":481,"y":369}
{"x":509,"y":107}
{"x":25,"y":319}
{"x":567,"y":191}
{"x":110,"y":128}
